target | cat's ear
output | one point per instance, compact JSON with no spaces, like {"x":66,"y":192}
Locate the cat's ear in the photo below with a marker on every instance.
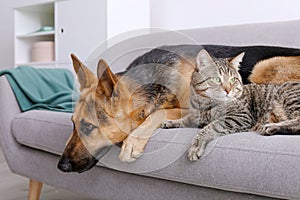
{"x":203,"y":59}
{"x":235,"y":62}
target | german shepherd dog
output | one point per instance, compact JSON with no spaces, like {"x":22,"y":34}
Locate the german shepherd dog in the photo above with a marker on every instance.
{"x":129,"y":106}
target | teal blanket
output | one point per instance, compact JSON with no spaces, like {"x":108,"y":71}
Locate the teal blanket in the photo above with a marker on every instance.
{"x":42,"y":89}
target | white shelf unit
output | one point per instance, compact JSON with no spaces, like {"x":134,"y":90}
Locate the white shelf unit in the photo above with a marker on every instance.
{"x":28,"y":20}
{"x":79,"y":26}
{"x":35,"y":34}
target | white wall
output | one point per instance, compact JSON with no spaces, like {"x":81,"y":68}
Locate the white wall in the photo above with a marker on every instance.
{"x":179,"y":14}
{"x":6,"y":35}
{"x":122,"y":16}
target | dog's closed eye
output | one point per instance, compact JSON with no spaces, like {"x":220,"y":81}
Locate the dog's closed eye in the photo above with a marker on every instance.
{"x":86,"y":128}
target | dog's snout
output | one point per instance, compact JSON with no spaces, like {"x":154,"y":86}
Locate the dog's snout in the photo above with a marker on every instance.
{"x":65,"y":165}
{"x":76,"y":157}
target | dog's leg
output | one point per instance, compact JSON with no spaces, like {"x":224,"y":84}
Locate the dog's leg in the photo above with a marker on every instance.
{"x":134,"y":145}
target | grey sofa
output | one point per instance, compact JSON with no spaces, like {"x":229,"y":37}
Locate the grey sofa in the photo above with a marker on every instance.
{"x":237,"y":166}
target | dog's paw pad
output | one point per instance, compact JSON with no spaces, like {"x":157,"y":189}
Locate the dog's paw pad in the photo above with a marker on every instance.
{"x":131,"y":149}
{"x":127,"y":159}
{"x":136,"y":154}
{"x":126,"y":156}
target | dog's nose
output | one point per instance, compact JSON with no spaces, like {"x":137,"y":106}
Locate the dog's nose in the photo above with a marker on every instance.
{"x":64,"y":165}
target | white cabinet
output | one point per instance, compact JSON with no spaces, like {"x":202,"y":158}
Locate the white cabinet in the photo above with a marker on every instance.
{"x":78,"y":27}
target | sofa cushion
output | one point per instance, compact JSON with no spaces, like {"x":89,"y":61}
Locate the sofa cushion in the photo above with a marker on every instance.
{"x":243,"y":162}
{"x":44,"y":130}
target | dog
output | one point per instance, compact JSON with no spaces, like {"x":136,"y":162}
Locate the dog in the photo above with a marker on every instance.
{"x":276,"y":70}
{"x":128,"y":107}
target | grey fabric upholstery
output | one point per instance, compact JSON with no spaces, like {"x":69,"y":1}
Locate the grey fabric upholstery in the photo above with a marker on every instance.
{"x":44,"y":130}
{"x":244,"y":162}
{"x":232,"y":167}
{"x":9,"y":110}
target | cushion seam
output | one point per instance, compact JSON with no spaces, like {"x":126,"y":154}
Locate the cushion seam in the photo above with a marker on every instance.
{"x":38,"y":146}
{"x":238,"y":149}
{"x":256,"y":151}
{"x":39,"y":120}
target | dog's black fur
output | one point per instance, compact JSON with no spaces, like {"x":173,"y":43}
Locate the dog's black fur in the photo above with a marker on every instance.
{"x":169,"y":55}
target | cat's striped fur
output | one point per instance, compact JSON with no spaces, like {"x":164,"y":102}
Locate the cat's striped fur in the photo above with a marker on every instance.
{"x":266,"y":108}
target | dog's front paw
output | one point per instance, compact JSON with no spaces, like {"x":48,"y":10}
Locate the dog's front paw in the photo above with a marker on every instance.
{"x":170,"y":124}
{"x":132,"y":148}
{"x":268,"y":129}
{"x":197,"y":148}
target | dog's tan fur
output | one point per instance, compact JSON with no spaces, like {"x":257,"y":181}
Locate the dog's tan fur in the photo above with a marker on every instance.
{"x":276,"y":70}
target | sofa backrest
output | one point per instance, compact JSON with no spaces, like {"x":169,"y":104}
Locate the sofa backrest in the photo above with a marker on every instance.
{"x":120,"y":55}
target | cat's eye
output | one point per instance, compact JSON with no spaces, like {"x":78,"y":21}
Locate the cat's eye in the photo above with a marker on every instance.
{"x":216,"y":79}
{"x":232,"y":80}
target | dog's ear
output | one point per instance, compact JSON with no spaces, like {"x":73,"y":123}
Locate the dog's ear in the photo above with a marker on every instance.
{"x":107,"y":79}
{"x":84,"y":75}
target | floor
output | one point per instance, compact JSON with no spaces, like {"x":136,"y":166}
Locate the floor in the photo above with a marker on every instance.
{"x":15,"y":187}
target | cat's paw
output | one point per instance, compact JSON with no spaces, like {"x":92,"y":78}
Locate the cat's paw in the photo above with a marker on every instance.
{"x":268,"y":129}
{"x":197,"y":148}
{"x":169,"y":124}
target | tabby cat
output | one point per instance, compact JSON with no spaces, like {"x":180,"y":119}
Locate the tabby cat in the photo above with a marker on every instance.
{"x":221,"y":105}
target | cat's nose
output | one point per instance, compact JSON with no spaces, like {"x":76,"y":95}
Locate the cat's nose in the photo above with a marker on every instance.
{"x":227,"y":90}
{"x":226,"y":87}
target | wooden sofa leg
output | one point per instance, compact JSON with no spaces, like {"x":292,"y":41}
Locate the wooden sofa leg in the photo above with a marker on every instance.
{"x":35,"y":188}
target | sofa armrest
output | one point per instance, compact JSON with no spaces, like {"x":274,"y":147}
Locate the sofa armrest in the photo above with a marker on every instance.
{"x":9,"y":110}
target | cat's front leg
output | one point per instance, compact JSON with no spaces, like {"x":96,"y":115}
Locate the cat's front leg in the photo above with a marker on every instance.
{"x":197,"y":148}
{"x":268,"y":129}
{"x":172,"y":124}
{"x":187,"y":121}
{"x":291,"y":126}
{"x":210,"y":132}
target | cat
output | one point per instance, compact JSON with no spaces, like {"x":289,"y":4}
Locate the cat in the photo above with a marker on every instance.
{"x":276,"y":70}
{"x":220,"y":104}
